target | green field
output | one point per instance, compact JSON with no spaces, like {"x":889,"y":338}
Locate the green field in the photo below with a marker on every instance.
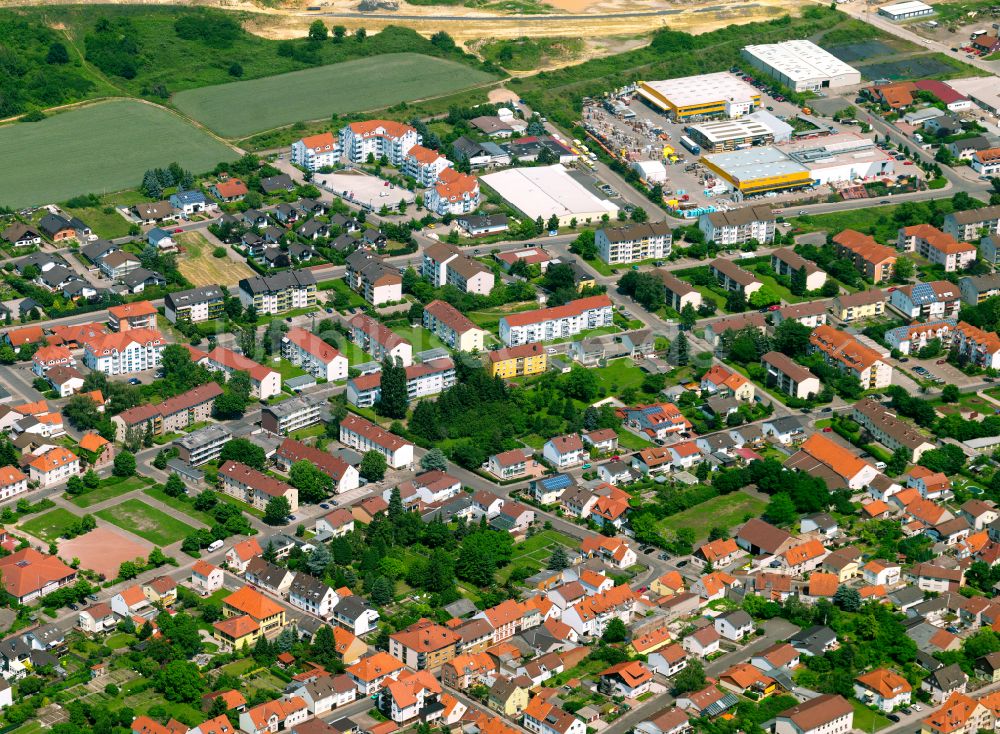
{"x":49,"y":525}
{"x":103,"y":147}
{"x":237,"y":110}
{"x":534,"y":552}
{"x":725,"y":511}
{"x":147,"y":522}
{"x":111,"y":487}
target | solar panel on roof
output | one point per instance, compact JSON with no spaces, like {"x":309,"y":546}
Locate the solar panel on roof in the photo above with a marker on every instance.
{"x":559,"y":481}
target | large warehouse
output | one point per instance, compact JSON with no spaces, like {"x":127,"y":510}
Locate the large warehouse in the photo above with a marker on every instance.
{"x":802,"y":66}
{"x":717,"y":136}
{"x":906,"y":10}
{"x":546,"y":190}
{"x":840,"y":158}
{"x":758,"y":170}
{"x":720,"y":94}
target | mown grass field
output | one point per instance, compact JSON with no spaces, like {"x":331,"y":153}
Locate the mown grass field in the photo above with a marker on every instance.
{"x":236,"y":109}
{"x":724,"y":511}
{"x":96,"y":149}
{"x":49,"y":525}
{"x":146,"y":522}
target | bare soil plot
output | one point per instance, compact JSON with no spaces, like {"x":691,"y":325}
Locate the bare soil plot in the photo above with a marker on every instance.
{"x":201,"y":267}
{"x":103,"y":550}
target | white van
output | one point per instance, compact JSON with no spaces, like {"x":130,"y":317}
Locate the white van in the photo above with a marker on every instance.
{"x":214,"y":546}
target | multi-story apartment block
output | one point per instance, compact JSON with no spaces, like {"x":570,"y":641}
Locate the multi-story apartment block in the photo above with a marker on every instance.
{"x":739,"y":226}
{"x":914,"y":337}
{"x":124,"y":353}
{"x":344,"y":476}
{"x":939,"y":299}
{"x":316,"y":151}
{"x":306,"y":350}
{"x":455,"y":193}
{"x":520,"y":361}
{"x":989,"y":249}
{"x":253,"y":487}
{"x":369,"y":275}
{"x":195,"y":305}
{"x":172,"y":415}
{"x":848,"y":355}
{"x":874,"y":261}
{"x":645,"y":241}
{"x":888,"y":429}
{"x":377,"y":138}
{"x":787,"y":261}
{"x":934,"y":245}
{"x":826,"y":714}
{"x":453,"y":328}
{"x":424,"y":645}
{"x":977,"y":288}
{"x":380,"y":341}
{"x":268,"y":614}
{"x":733,"y":277}
{"x":981,"y":348}
{"x":967,"y":225}
{"x":445,"y":264}
{"x":53,"y":467}
{"x":556,"y":322}
{"x":859,"y":306}
{"x":362,"y":436}
{"x":678,"y":293}
{"x":264,"y":382}
{"x":788,"y":376}
{"x":202,"y":445}
{"x":292,"y":415}
{"x":135,"y":315}
{"x":424,"y":165}
{"x":275,"y":294}
{"x":422,"y":379}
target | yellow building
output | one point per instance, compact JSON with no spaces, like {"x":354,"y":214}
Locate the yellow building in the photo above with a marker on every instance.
{"x":758,"y":170}
{"x":269,"y":615}
{"x":527,"y":359}
{"x":720,"y":93}
{"x":508,"y":698}
{"x":859,"y":306}
{"x":235,"y":632}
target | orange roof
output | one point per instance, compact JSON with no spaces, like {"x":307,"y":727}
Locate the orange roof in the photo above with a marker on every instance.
{"x":864,"y":247}
{"x":843,"y":348}
{"x":925,"y":511}
{"x":716,"y":549}
{"x":319,"y":143}
{"x":375,"y":666}
{"x":132,"y":310}
{"x":237,"y":627}
{"x":744,"y":675}
{"x":423,"y":155}
{"x":872,"y":592}
{"x":632,"y":672}
{"x":885,"y":682}
{"x":823,"y":584}
{"x":842,"y":460}
{"x":905,"y":496}
{"x":11,"y":475}
{"x":875,"y":508}
{"x":716,"y":582}
{"x":953,"y":714}
{"x":93,"y":442}
{"x":252,"y":602}
{"x":52,"y":354}
{"x":232,"y":187}
{"x":231,"y":360}
{"x":27,"y":571}
{"x":343,"y":639}
{"x":53,"y":459}
{"x":804,"y":552}
{"x":36,"y":408}
{"x":426,"y":636}
{"x":25,"y":335}
{"x":247,"y":549}
{"x":943,"y":243}
{"x":454,"y":185}
{"x":672,"y":580}
{"x":573,"y":308}
{"x":651,"y":640}
{"x":132,"y":595}
{"x":312,"y":344}
{"x":119,"y":341}
{"x":203,"y":568}
{"x":987,"y":339}
{"x":383,"y":128}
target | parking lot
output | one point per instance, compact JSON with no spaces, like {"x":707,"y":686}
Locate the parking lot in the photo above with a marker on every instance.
{"x":363,"y":189}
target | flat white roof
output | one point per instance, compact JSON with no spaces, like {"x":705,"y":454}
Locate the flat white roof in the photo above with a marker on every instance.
{"x":688,"y":91}
{"x":800,"y":60}
{"x":722,"y":130}
{"x":985,"y":89}
{"x":546,"y":190}
{"x":754,"y":163}
{"x":904,"y":8}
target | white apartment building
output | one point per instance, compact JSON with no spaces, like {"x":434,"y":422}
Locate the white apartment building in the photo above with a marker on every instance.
{"x":292,"y":415}
{"x":454,"y":193}
{"x":982,"y":348}
{"x":311,"y":595}
{"x":124,"y":353}
{"x":275,"y":294}
{"x":362,"y":436}
{"x":445,"y":264}
{"x":940,"y":248}
{"x":306,"y":350}
{"x":380,"y":341}
{"x":423,"y":379}
{"x":373,"y":278}
{"x":646,"y":241}
{"x":424,"y":165}
{"x":264,"y":382}
{"x":739,"y":226}
{"x":788,"y":376}
{"x":316,"y":151}
{"x":453,"y":328}
{"x":53,"y":467}
{"x":378,"y":138}
{"x":546,"y":324}
{"x":937,"y":299}
{"x":194,"y":305}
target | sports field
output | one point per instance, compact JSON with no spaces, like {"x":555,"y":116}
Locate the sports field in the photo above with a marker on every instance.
{"x":243,"y":108}
{"x":146,"y":522}
{"x":95,"y":149}
{"x":201,"y":267}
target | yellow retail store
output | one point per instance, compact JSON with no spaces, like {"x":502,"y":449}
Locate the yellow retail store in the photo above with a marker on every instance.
{"x":710,"y":95}
{"x":758,"y":170}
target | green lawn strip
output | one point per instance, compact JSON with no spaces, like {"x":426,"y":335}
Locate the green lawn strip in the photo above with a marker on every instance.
{"x":419,"y":337}
{"x":286,"y":369}
{"x":49,"y":525}
{"x":867,"y":720}
{"x":106,"y":224}
{"x":539,"y":541}
{"x":68,"y":154}
{"x":233,"y":110}
{"x":723,"y":511}
{"x":242,"y":505}
{"x":353,"y":299}
{"x":619,"y":374}
{"x":147,"y":522}
{"x":111,"y":487}
{"x":628,"y":440}
{"x":179,"y":504}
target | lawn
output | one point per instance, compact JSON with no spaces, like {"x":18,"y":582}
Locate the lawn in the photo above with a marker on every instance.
{"x":337,"y":284}
{"x":628,"y":440}
{"x":146,"y":522}
{"x":99,"y":148}
{"x":178,"y":504}
{"x":419,"y":337}
{"x":534,"y":552}
{"x":286,"y":369}
{"x":111,"y":487}
{"x":201,"y":267}
{"x":619,"y":374}
{"x":108,"y":224}
{"x":234,"y":110}
{"x":867,"y":720}
{"x":723,"y":511}
{"x":49,"y":525}
{"x":489,"y":319}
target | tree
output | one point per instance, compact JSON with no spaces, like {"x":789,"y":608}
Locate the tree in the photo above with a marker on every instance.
{"x":339,"y":32}
{"x":75,"y":486}
{"x":82,"y":412}
{"x":791,"y":337}
{"x":559,"y":559}
{"x":243,"y":451}
{"x":950,"y":394}
{"x":319,"y":560}
{"x":689,"y":317}
{"x":383,"y":592}
{"x":903,"y":270}
{"x":373,"y":466}
{"x":317,"y":31}
{"x":124,"y":464}
{"x":443,"y":41}
{"x":57,"y":54}
{"x":781,"y":510}
{"x":393,"y":397}
{"x":691,"y":678}
{"x":313,"y":484}
{"x":616,"y":631}
{"x":639,"y":214}
{"x":897,"y":463}
{"x":434,"y":459}
{"x":174,"y":486}
{"x":553,"y":224}
{"x":680,"y":350}
{"x":847,"y":598}
{"x":736,"y":302}
{"x":235,"y":70}
{"x":360,"y":35}
{"x":180,"y":680}
{"x":798,"y":285}
{"x":277,"y":510}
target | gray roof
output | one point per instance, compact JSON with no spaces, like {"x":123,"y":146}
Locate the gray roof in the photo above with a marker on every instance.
{"x":203,"y":436}
{"x":949,"y":677}
{"x":309,"y":587}
{"x":182,"y":299}
{"x":278,"y":282}
{"x":352,"y":607}
{"x":292,"y":406}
